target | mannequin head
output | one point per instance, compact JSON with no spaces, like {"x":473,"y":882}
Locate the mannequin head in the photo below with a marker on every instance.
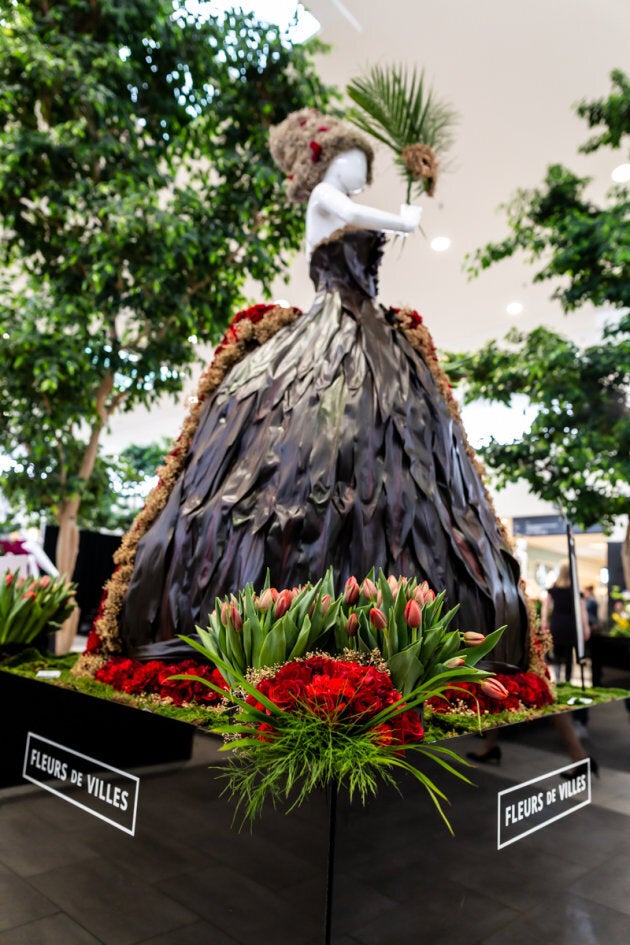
{"x":306,"y":144}
{"x":348,"y":171}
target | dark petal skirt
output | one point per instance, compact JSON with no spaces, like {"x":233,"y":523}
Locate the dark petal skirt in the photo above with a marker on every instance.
{"x":330,"y":445}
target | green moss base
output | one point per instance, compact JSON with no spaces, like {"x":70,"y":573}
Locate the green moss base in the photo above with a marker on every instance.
{"x":438,"y":726}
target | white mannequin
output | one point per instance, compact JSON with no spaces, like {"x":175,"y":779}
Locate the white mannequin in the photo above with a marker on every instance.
{"x":330,"y":207}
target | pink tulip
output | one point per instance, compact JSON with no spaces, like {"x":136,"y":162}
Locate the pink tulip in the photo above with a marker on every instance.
{"x":472,"y":638}
{"x":413,"y":614}
{"x":423,"y":594}
{"x":455,"y":662}
{"x":235,"y":618}
{"x":265,"y":600}
{"x":368,"y":589}
{"x":378,"y":619}
{"x":325,"y":603}
{"x":225,"y":613}
{"x":352,"y":625}
{"x":494,"y":689}
{"x":284,"y":601}
{"x":44,"y":582}
{"x":351,"y":591}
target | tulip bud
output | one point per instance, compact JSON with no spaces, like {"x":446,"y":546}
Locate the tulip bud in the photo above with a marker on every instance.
{"x":378,"y":619}
{"x":472,"y":638}
{"x":352,"y":591}
{"x":9,"y":578}
{"x":368,"y":589}
{"x":44,"y":582}
{"x":413,"y":614}
{"x":284,"y":601}
{"x":494,"y":689}
{"x":394,"y":584}
{"x":423,"y":594}
{"x":352,"y":625}
{"x":225,"y":613}
{"x":325,"y":603}
{"x":455,"y":662}
{"x":266,"y":599}
{"x":29,"y":595}
{"x":235,"y":618}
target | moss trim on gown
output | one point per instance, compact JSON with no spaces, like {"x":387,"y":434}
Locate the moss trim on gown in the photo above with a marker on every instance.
{"x":330,"y":444}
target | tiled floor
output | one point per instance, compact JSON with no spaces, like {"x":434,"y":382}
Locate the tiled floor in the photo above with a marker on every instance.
{"x":188,"y":878}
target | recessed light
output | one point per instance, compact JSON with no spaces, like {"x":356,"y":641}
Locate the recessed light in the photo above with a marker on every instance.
{"x":621,"y":174}
{"x":514,"y":308}
{"x":440,"y":243}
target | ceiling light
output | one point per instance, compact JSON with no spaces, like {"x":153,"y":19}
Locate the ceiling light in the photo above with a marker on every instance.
{"x":440,"y":243}
{"x":514,"y":308}
{"x":621,"y":174}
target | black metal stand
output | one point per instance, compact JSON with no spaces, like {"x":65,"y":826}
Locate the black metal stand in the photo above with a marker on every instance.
{"x":577,"y":605}
{"x":332,"y":827}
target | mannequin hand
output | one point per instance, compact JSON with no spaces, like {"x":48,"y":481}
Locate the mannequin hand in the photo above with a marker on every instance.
{"x":410,"y":215}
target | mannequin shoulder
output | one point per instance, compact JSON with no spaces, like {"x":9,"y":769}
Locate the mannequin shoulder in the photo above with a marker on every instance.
{"x":326,"y":198}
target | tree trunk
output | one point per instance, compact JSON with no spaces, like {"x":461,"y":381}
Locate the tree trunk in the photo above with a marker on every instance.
{"x":68,"y":539}
{"x":625,"y":557}
{"x":66,"y":556}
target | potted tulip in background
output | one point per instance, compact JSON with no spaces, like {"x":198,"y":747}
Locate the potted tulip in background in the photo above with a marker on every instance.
{"x":30,"y":608}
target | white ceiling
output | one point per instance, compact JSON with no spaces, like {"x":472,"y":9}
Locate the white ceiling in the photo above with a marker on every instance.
{"x":513,"y":71}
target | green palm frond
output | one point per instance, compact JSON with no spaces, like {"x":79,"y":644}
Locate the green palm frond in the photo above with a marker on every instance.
{"x":394,"y":105}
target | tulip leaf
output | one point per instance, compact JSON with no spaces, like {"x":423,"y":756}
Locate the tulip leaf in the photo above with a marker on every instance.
{"x":274,"y":647}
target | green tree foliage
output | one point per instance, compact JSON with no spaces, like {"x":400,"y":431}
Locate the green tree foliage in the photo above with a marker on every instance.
{"x":577,"y":453}
{"x":137,"y":196}
{"x":119,"y":484}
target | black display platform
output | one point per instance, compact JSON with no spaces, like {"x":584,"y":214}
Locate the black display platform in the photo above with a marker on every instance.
{"x":608,"y":655}
{"x":188,"y":878}
{"x":122,"y":736}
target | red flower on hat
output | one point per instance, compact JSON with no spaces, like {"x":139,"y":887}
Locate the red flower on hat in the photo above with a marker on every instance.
{"x":316,"y":150}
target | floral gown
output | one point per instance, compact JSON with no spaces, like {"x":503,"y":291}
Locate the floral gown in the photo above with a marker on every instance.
{"x":335,"y":442}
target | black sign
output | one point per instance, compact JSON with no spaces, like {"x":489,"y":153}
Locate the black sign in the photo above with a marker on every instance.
{"x":532,"y":525}
{"x":98,"y":788}
{"x":534,"y":804}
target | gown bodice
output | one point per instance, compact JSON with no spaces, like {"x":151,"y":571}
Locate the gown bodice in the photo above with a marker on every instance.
{"x":348,"y":262}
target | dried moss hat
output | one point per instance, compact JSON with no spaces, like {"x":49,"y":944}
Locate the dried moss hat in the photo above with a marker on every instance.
{"x":306,"y":143}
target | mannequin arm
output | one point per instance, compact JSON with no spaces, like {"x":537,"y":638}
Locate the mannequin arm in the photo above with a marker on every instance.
{"x":329,"y":201}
